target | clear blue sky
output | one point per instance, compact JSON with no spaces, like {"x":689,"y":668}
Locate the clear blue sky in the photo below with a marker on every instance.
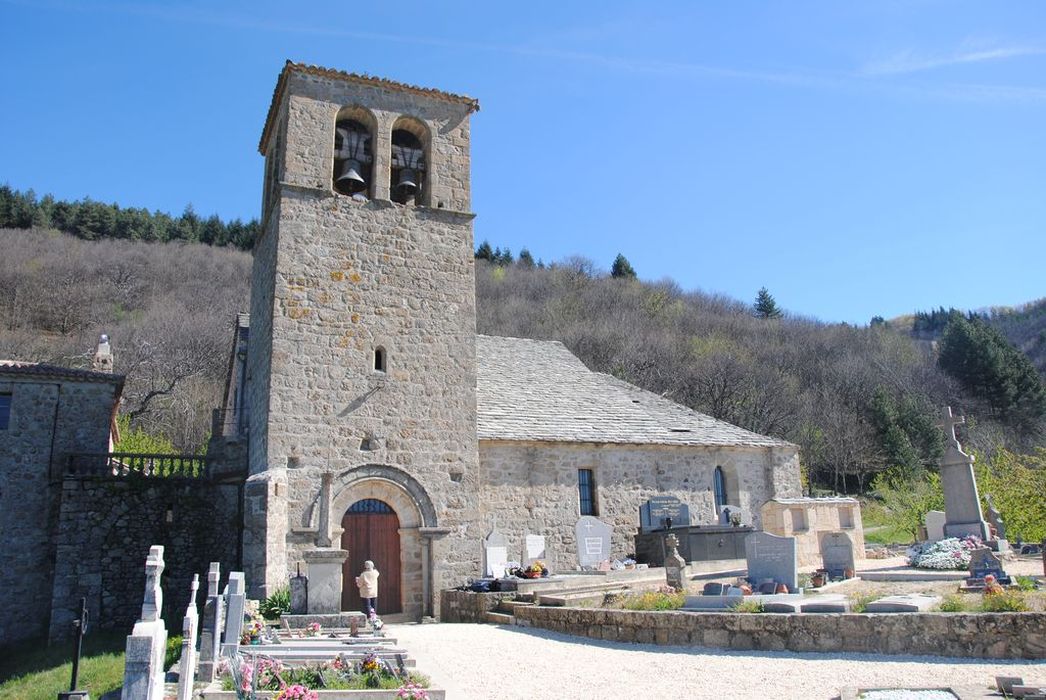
{"x":856,"y":158}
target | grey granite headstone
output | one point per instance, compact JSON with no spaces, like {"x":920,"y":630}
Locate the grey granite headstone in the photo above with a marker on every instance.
{"x":299,"y":588}
{"x":495,"y":554}
{"x":772,"y":557}
{"x":533,"y":548}
{"x":837,"y":553}
{"x":235,"y":603}
{"x":983,"y":562}
{"x":912,"y":602}
{"x":659,"y":511}
{"x":934,"y":521}
{"x":593,"y":541}
{"x":211,"y":627}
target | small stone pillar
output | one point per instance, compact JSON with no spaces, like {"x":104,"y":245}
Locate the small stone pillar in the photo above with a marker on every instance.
{"x":147,"y":643}
{"x":187,"y":663}
{"x":325,"y":580}
{"x":299,"y":593}
{"x":675,"y":565}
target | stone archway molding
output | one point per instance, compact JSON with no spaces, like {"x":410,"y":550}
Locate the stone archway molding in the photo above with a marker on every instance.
{"x":410,"y":500}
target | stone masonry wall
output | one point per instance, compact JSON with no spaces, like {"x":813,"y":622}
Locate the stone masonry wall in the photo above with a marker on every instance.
{"x":334,"y":279}
{"x":49,"y":420}
{"x":533,"y":487}
{"x":966,"y":635}
{"x":104,"y":531}
{"x":808,"y":519}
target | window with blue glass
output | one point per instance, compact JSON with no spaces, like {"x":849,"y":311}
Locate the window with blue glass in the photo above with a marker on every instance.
{"x":719,"y":486}
{"x":370,"y":505}
{"x":586,"y":487}
{"x":5,"y":411}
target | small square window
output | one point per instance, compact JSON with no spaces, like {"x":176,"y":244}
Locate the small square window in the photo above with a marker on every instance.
{"x":5,"y":411}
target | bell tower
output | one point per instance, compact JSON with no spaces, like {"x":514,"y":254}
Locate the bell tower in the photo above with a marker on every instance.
{"x":362,"y":361}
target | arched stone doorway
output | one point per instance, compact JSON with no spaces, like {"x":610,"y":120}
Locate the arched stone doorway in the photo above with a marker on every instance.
{"x":413,"y":509}
{"x":370,"y":531}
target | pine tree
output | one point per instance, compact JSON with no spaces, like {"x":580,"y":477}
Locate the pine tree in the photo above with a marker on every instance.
{"x":485,"y":252}
{"x":622,"y":268}
{"x":765,"y":306}
{"x":526,"y":259}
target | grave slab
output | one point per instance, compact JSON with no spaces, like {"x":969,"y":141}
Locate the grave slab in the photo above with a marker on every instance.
{"x":914,"y":602}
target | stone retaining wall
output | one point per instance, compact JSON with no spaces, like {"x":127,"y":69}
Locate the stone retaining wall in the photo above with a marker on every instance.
{"x":104,"y":531}
{"x":975,"y":635}
{"x":467,"y":606}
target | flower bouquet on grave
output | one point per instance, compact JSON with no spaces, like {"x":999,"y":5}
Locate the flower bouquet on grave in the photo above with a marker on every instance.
{"x":252,"y":632}
{"x":412,"y":691}
{"x":297,"y":692}
{"x":375,"y":621}
{"x":312,"y":629}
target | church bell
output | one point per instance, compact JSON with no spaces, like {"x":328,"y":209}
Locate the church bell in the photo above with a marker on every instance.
{"x":408,"y":182}
{"x":350,"y":177}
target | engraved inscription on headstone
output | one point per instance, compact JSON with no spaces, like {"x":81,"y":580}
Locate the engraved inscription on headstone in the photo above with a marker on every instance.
{"x":772,"y":557}
{"x":837,"y":553}
{"x":593,"y":541}
{"x":659,"y":511}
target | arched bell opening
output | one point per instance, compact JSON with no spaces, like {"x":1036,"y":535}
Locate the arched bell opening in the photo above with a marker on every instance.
{"x":371,"y":532}
{"x":353,"y":157}
{"x":409,"y":167}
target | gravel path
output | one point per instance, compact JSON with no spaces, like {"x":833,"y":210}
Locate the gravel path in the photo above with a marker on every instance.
{"x":481,"y":662}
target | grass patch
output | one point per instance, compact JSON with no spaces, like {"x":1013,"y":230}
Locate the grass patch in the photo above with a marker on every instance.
{"x":747,"y":606}
{"x":859,"y":601}
{"x":35,"y":671}
{"x":1007,"y":601}
{"x":953,"y":603}
{"x":652,"y":600}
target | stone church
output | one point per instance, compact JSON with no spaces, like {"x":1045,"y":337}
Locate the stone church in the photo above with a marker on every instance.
{"x":377,"y":423}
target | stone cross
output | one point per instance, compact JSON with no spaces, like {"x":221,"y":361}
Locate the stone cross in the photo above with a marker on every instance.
{"x":948,"y":422}
{"x":674,"y":564}
{"x":147,"y":643}
{"x":152,"y":604}
{"x":211,"y":632}
{"x":187,"y":664}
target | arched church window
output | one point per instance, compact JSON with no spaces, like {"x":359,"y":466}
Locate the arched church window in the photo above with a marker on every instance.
{"x":353,"y":158}
{"x":408,"y":167}
{"x":719,"y":488}
{"x":370,"y":505}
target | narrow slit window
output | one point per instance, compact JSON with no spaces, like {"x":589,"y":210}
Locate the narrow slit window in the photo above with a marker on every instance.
{"x":5,"y":411}
{"x":719,"y":486}
{"x":379,"y":360}
{"x":586,"y":486}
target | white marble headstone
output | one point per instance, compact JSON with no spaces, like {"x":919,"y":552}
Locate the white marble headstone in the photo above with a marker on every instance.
{"x":495,"y":554}
{"x":593,"y":541}
{"x":533,"y":548}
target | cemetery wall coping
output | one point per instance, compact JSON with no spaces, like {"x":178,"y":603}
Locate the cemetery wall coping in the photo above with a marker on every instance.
{"x":965,"y":635}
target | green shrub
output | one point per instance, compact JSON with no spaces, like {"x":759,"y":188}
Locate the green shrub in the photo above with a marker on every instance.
{"x":952,"y":604}
{"x":654,"y":600}
{"x":276,"y":604}
{"x":174,"y":651}
{"x":1025,"y":583}
{"x":1007,"y":601}
{"x":748,"y":605}
{"x":859,"y":602}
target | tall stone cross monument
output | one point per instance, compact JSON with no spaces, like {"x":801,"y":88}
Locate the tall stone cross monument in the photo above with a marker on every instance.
{"x":962,"y":504}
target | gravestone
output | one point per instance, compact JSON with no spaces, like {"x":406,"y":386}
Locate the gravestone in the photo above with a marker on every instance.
{"x":299,"y":588}
{"x":912,"y":602}
{"x":962,"y":505}
{"x":495,"y":554}
{"x":593,"y":541}
{"x":661,"y":512}
{"x":772,"y":557}
{"x":187,"y":663}
{"x":235,"y":603}
{"x":984,"y":562}
{"x":837,"y":554}
{"x":211,"y":629}
{"x":325,"y":579}
{"x":728,"y":515}
{"x":999,"y":543}
{"x":147,"y":643}
{"x":675,"y":565}
{"x":533,"y":548}
{"x":934,"y":521}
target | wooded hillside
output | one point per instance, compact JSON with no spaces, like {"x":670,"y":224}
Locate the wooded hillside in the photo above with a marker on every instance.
{"x":858,"y":400}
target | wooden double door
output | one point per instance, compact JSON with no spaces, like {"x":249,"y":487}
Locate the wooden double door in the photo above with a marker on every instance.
{"x":371,"y":533}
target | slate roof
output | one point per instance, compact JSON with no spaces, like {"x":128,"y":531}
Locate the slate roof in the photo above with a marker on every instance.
{"x":277,"y":95}
{"x":538,"y":390}
{"x":43,"y":371}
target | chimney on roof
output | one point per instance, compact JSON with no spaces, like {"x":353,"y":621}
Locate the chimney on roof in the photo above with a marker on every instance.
{"x":103,"y":356}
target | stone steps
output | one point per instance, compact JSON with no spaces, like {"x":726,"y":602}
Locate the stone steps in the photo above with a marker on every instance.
{"x":496,"y":618}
